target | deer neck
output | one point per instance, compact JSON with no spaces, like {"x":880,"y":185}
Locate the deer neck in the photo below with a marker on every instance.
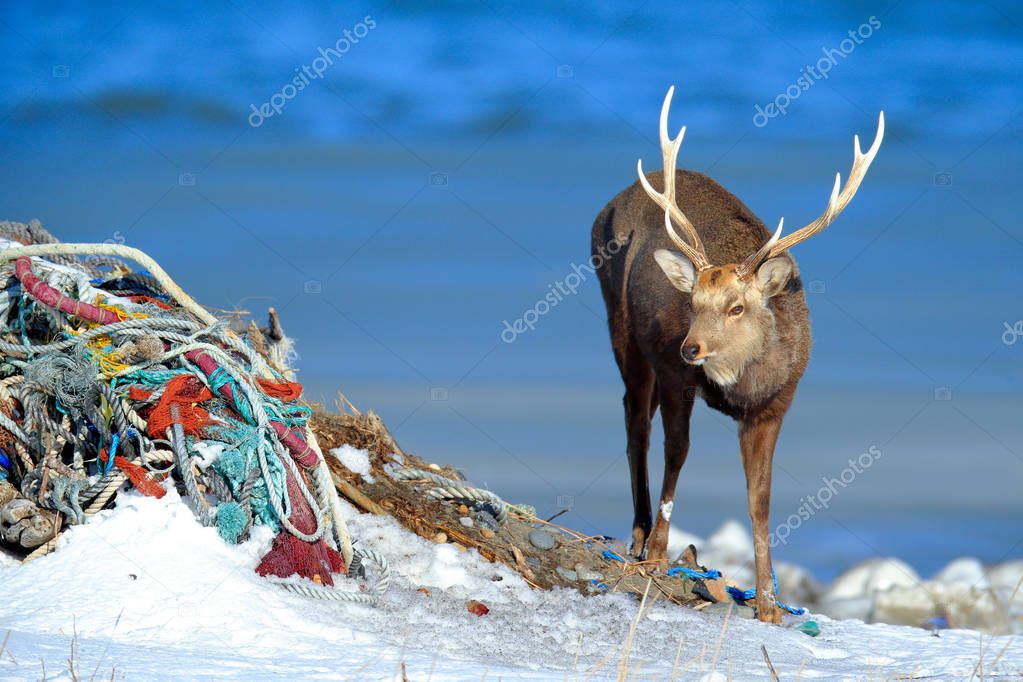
{"x":763,"y":375}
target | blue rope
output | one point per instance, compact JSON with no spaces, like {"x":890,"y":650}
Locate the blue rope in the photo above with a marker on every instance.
{"x":151,"y":377}
{"x":220,"y":377}
{"x":742,"y":596}
{"x":737,"y":595}
{"x":5,"y":465}
{"x":114,"y":440}
{"x":692,"y":573}
{"x":611,"y":556}
{"x":24,"y":303}
{"x":673,"y":572}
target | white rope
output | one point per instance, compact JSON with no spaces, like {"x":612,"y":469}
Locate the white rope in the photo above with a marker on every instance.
{"x":369,"y":596}
{"x":121,"y":251}
{"x":450,"y":489}
{"x":236,"y":359}
{"x":330,"y":499}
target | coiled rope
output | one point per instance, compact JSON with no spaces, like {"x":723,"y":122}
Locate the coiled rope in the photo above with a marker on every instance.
{"x":88,"y":358}
{"x":450,"y":489}
{"x":369,"y":596}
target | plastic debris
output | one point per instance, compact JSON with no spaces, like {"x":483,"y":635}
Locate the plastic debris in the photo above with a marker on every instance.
{"x":811,"y":628}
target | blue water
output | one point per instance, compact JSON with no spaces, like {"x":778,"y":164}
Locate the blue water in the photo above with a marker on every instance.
{"x":444,"y":172}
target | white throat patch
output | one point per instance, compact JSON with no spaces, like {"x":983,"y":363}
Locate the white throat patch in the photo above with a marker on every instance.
{"x":721,"y":374}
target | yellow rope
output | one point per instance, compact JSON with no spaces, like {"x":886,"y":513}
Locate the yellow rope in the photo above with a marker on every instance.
{"x":111,"y":362}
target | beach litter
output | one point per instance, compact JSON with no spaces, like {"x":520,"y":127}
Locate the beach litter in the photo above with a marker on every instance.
{"x":167,"y":401}
{"x":810,"y":627}
{"x":438,"y":504}
{"x":114,"y":377}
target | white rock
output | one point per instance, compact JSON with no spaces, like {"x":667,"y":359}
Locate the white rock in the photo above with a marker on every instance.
{"x":963,"y":605}
{"x":966,"y":571}
{"x":730,"y":550}
{"x":796,"y":585}
{"x":1007,"y":576}
{"x":731,"y":543}
{"x":847,"y":608}
{"x":871,"y":576}
{"x":743,"y":575}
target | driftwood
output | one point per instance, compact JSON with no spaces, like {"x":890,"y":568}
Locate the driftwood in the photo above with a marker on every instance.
{"x":579,"y":557}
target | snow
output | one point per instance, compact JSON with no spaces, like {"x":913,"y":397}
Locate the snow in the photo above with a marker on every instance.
{"x":355,"y":460}
{"x":666,"y":508}
{"x":145,"y":591}
{"x":208,"y":453}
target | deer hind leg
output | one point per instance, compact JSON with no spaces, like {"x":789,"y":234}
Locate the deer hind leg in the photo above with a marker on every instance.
{"x":757,"y":440}
{"x":676,"y":409}
{"x":639,"y":405}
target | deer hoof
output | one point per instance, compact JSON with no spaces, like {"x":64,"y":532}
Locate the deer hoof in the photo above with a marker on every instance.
{"x":769,"y":613}
{"x":656,"y":556}
{"x":638,"y":543}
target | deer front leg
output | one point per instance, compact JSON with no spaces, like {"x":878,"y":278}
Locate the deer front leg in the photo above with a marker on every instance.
{"x":675,"y":413}
{"x":757,"y":439}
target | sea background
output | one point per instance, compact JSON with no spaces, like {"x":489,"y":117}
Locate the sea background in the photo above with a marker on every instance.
{"x":446,"y":169}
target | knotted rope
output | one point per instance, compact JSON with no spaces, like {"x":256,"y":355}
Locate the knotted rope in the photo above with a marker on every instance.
{"x":450,"y":489}
{"x":95,"y":361}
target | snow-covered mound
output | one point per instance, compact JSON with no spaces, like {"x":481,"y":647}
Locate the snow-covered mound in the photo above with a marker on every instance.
{"x":143,"y":590}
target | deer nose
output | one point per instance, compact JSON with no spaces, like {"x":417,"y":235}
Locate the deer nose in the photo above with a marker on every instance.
{"x":690,"y":351}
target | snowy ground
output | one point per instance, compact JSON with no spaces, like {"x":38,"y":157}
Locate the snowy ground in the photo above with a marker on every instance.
{"x":145,"y":593}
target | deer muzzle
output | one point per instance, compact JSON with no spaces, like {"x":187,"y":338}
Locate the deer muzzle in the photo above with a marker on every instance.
{"x":694,"y":352}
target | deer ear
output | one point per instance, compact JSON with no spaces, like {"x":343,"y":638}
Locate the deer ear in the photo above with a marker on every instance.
{"x":773,"y":275}
{"x":677,"y":268}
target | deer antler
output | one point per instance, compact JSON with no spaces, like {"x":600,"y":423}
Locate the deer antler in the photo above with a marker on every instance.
{"x":836,"y":204}
{"x":693,"y":249}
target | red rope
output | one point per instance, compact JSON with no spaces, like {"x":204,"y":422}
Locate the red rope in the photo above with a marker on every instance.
{"x":47,"y":295}
{"x":300,"y":450}
{"x":149,"y":299}
{"x":186,"y":392}
{"x":285,"y":391}
{"x":140,"y":478}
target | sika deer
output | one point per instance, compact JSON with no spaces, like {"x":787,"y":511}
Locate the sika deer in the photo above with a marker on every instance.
{"x":736,"y":333}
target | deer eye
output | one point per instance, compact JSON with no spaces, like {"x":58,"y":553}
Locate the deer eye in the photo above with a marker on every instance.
{"x":735,"y":311}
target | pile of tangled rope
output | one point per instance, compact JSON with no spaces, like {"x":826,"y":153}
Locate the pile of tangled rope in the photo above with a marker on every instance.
{"x":114,"y":377}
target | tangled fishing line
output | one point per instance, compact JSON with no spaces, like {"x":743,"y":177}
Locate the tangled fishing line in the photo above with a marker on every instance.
{"x":112,"y":376}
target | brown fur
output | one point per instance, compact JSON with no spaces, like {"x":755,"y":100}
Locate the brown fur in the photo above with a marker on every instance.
{"x":765,"y":349}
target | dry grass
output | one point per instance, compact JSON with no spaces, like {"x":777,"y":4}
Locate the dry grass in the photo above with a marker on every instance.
{"x":409,"y":504}
{"x":74,"y":658}
{"x":363,"y":430}
{"x":623,"y":662}
{"x":770,"y":666}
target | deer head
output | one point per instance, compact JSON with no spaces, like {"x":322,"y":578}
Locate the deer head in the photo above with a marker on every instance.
{"x":731,"y":323}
